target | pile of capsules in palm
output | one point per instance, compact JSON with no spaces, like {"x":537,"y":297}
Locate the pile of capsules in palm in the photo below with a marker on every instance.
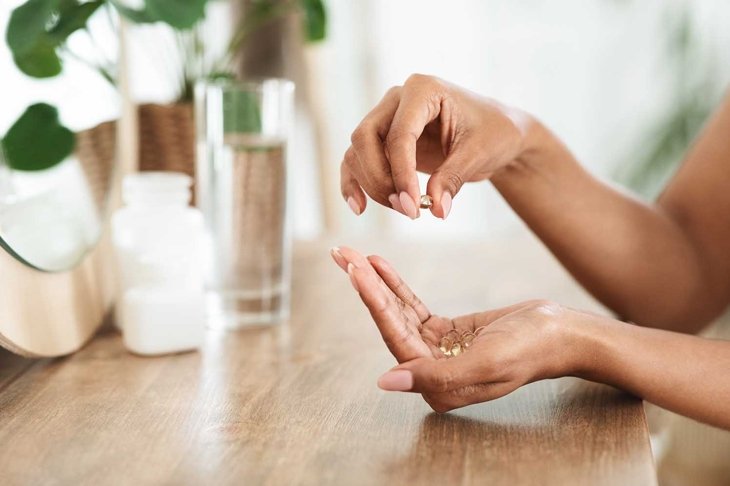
{"x":455,"y":342}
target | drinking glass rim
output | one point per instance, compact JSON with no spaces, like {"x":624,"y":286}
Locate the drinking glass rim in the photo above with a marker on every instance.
{"x":254,"y":84}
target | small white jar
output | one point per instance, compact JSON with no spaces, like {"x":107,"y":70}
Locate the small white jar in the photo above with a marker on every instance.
{"x":158,"y":242}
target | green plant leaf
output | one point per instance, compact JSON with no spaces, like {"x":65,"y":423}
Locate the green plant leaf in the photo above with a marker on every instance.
{"x":72,"y":17}
{"x":181,"y":15}
{"x":315,"y":20}
{"x":41,"y":61}
{"x":133,"y":15}
{"x":28,"y":22}
{"x":37,"y":140}
{"x":241,"y":113}
{"x":178,"y":14}
{"x":33,"y":51}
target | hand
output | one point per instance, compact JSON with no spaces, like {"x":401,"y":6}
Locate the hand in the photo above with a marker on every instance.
{"x":431,"y":126}
{"x":516,"y":345}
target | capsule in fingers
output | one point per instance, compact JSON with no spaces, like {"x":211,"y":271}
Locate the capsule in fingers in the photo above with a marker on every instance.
{"x":426,"y":201}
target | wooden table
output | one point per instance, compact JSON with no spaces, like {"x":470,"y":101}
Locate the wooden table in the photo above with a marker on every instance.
{"x":297,"y":404}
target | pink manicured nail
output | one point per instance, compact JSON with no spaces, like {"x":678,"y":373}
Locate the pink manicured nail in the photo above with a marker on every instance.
{"x":350,"y":270}
{"x":338,"y":258}
{"x":353,"y":205}
{"x":409,"y":207}
{"x":446,"y":204}
{"x":395,"y":203}
{"x":396,"y":380}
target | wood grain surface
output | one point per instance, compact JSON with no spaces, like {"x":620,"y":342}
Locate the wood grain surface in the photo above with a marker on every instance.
{"x":297,"y":404}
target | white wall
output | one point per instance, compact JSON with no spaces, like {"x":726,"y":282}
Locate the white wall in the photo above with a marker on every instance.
{"x":594,"y":71}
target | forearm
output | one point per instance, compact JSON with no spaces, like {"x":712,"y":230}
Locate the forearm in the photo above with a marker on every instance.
{"x":631,"y":256}
{"x":685,"y":374}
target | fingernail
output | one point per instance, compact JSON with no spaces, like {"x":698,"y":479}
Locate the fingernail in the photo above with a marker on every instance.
{"x":353,"y":205}
{"x":350,"y":270}
{"x":338,"y":258}
{"x":395,"y":203}
{"x":409,"y":207}
{"x":446,"y":204}
{"x":396,"y":380}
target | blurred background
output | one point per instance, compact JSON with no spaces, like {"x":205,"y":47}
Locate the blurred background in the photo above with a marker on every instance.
{"x":625,"y":83}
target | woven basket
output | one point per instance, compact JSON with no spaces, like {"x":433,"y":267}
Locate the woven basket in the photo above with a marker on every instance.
{"x":167,"y":138}
{"x":96,"y":150}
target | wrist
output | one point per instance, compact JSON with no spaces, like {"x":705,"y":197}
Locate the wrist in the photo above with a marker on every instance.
{"x":584,"y":337}
{"x":536,"y":157}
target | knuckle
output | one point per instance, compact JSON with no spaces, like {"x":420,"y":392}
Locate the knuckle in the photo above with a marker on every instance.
{"x":402,"y":172}
{"x":420,"y":79}
{"x":453,"y":181}
{"x":544,"y":307}
{"x":398,"y":135}
{"x":437,"y":404}
{"x":350,"y":159}
{"x":441,"y":382}
{"x":397,"y":340}
{"x":394,"y":90}
{"x":360,"y":134}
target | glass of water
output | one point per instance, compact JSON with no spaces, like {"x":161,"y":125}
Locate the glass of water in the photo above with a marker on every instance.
{"x":243,"y":130}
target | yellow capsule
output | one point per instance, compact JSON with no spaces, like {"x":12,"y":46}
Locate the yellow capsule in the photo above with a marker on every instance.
{"x":467,"y":339}
{"x":445,"y":345}
{"x":456,"y":349}
{"x":426,"y":201}
{"x":453,"y":335}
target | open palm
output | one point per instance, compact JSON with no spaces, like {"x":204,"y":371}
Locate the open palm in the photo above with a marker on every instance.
{"x":500,"y":359}
{"x":408,"y":328}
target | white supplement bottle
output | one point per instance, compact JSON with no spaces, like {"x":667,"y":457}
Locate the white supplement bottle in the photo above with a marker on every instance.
{"x":158,"y":240}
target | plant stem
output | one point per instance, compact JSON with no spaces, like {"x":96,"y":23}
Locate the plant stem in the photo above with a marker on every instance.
{"x":249,"y":24}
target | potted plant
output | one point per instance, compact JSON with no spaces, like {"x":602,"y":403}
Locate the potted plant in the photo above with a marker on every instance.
{"x":37,"y":36}
{"x":167,"y":132}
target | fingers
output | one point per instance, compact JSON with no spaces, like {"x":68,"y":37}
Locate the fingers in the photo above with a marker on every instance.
{"x":402,"y":340}
{"x":344,"y":255}
{"x":398,"y":286}
{"x":400,"y":379}
{"x":351,"y":190}
{"x":419,"y":104}
{"x":367,"y":161}
{"x":397,"y":324}
{"x":439,"y":375}
{"x":446,"y":181}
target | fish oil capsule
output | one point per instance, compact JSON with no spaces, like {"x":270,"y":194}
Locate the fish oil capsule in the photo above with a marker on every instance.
{"x":453,"y":335}
{"x":446,"y":345}
{"x":456,"y":349}
{"x":467,"y":339}
{"x":426,"y":201}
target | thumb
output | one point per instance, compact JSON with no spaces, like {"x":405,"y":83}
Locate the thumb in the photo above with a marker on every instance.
{"x":428,"y":375}
{"x":446,"y":181}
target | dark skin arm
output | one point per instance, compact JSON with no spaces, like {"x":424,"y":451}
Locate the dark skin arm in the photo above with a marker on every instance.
{"x":532,"y":341}
{"x":665,"y":264}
